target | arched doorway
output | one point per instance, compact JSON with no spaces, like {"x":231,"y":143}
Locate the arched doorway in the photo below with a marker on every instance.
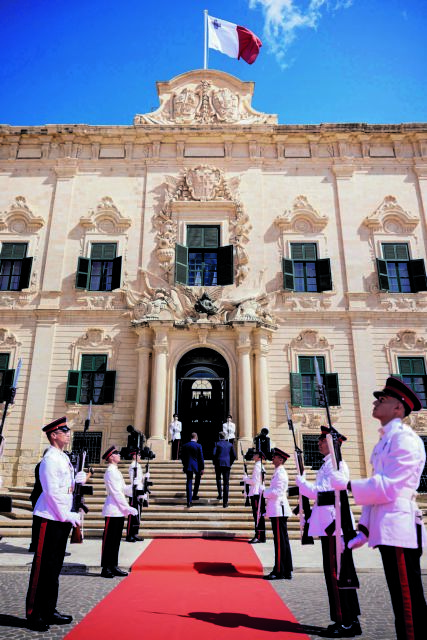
{"x":202,"y":396}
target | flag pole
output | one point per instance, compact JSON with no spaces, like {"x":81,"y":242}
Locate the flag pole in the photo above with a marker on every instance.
{"x":205,"y":56}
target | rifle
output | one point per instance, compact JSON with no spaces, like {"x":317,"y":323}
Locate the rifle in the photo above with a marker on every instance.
{"x":242,"y":482}
{"x":147,"y":483}
{"x":346,"y":572}
{"x":10,"y":392}
{"x":303,"y":510}
{"x":136,"y":493}
{"x":81,"y":490}
{"x":261,"y":495}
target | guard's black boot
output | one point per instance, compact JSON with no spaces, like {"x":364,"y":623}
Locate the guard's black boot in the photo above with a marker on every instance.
{"x":107,"y":573}
{"x":36,"y":623}
{"x":60,"y":618}
{"x":118,"y":572}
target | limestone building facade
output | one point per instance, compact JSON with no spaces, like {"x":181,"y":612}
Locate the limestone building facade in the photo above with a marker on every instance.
{"x":198,"y":261}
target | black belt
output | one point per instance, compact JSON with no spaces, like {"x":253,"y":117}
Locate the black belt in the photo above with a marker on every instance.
{"x":327,"y":498}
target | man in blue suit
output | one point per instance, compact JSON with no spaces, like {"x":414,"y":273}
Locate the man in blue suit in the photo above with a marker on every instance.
{"x":193,"y":462}
{"x":223,"y":457}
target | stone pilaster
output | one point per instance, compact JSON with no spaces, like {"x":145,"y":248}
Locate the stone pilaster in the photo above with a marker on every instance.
{"x":244,"y":376}
{"x":262,"y":402}
{"x":143,"y":349}
{"x":158,"y":392}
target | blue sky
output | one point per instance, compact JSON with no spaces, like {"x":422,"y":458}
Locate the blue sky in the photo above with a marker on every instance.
{"x":97,"y":62}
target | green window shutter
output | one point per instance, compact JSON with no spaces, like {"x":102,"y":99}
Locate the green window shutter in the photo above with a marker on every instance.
{"x":296,"y":389}
{"x":13,"y":250}
{"x":103,"y":251}
{"x":181,"y":264}
{"x":402,"y":251}
{"x":323,"y":274}
{"x":117,"y":272}
{"x":201,"y":237}
{"x":411,"y":366}
{"x":82,"y":275}
{"x":306,"y":365}
{"x":73,"y":386}
{"x":211,"y":237}
{"x":24,"y":278}
{"x":405,"y":366}
{"x":382,"y":275}
{"x":7,"y":382}
{"x":108,"y":388}
{"x":195,"y":237}
{"x":4,"y":361}
{"x":288,"y":274}
{"x":418,"y":366}
{"x":417,"y":274}
{"x":304,"y":251}
{"x":332,"y":389}
{"x":225,"y":265}
{"x":395,"y":251}
{"x":94,"y":362}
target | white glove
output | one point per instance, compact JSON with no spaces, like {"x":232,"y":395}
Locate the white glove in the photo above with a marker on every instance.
{"x":136,"y":481}
{"x":262,"y":488}
{"x":300,"y":480}
{"x":338,"y":480}
{"x":147,"y":475}
{"x":245,"y":478}
{"x":74,"y":518}
{"x":133,"y":511}
{"x":357,"y":541}
{"x":80,"y":477}
{"x":1,"y":481}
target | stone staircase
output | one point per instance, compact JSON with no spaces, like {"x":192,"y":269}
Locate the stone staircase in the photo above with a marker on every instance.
{"x":167,"y":513}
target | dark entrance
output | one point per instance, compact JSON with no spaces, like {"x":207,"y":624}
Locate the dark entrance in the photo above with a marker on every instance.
{"x":202,"y":396}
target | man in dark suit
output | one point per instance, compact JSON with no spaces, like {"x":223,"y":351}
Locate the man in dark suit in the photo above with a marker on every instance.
{"x":193,"y":462}
{"x":223,"y":458}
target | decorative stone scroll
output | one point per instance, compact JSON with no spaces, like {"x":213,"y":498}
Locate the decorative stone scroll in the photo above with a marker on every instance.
{"x":106,"y":218}
{"x":302,"y":218}
{"x":19,"y":218}
{"x":389,"y":217}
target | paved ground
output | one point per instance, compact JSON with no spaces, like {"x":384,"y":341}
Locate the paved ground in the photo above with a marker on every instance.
{"x":81,"y":588}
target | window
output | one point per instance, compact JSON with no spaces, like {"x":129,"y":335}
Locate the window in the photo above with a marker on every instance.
{"x":303,"y":384}
{"x":203,"y":262}
{"x":93,"y":440}
{"x":413,"y":373}
{"x":6,"y":376}
{"x":312,"y":456}
{"x":305,"y":272}
{"x":15,"y":267}
{"x":397,"y":273}
{"x":92,"y":383}
{"x":102,"y":271}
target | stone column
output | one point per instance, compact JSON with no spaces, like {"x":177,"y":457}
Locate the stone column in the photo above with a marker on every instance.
{"x":244,"y":377}
{"x":158,"y":392}
{"x":262,"y":400}
{"x":143,"y":349}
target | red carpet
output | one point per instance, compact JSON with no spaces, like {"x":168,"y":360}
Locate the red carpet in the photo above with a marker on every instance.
{"x":184,"y":588}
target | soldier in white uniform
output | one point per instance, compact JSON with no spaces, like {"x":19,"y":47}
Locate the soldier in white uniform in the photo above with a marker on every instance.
{"x":390,"y":517}
{"x":175,"y":429}
{"x":115,"y":509}
{"x":343,"y":603}
{"x":278,"y":510}
{"x":133,"y":522}
{"x":229,"y":429}
{"x":256,"y":483}
{"x":54,"y":520}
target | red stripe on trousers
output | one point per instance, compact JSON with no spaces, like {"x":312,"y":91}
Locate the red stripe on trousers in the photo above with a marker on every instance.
{"x":406,"y":594}
{"x":36,"y":575}
{"x":334,"y":580}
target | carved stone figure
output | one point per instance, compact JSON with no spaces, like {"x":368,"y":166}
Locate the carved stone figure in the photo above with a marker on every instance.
{"x":203,"y":182}
{"x":205,"y":305}
{"x":185,"y":106}
{"x":226,"y":105}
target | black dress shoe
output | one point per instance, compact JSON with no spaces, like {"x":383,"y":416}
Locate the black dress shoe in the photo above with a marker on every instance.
{"x":219,"y":497}
{"x":37,"y":624}
{"x":107,"y":573}
{"x":225,"y":505}
{"x":340,"y":631}
{"x":59,"y":618}
{"x":274,"y":576}
{"x":188,"y":505}
{"x":118,"y":572}
{"x":287,"y":576}
{"x":196,"y":498}
{"x":255,"y":541}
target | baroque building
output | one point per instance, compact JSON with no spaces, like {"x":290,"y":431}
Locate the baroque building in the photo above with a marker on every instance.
{"x":198,"y":261}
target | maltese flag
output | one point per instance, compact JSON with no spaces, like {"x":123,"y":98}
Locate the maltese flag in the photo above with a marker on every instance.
{"x":234,"y":41}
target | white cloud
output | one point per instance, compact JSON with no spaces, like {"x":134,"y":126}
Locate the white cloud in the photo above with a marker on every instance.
{"x":283,"y":19}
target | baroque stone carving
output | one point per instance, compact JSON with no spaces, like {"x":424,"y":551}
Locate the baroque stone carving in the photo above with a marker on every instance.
{"x":399,"y":302}
{"x":202,"y":183}
{"x":304,"y":301}
{"x":302,"y":218}
{"x":8,"y":339}
{"x":20,"y":219}
{"x":206,"y":305}
{"x":309,"y":339}
{"x":94,"y":337}
{"x":106,"y":218}
{"x":105,"y":301}
{"x":312,"y":420}
{"x":389,"y":217}
{"x":408,"y":341}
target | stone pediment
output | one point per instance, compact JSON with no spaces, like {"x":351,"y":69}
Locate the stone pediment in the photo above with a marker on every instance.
{"x":205,"y":97}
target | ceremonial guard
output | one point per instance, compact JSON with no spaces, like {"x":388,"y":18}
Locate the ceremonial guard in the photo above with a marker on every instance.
{"x":116,"y":508}
{"x":343,"y":603}
{"x":54,"y":520}
{"x":136,"y":477}
{"x":256,"y":483}
{"x":175,"y":429}
{"x":262,"y":443}
{"x":278,"y":510}
{"x":223,"y":457}
{"x":390,"y":517}
{"x":193,"y":463}
{"x":229,"y":429}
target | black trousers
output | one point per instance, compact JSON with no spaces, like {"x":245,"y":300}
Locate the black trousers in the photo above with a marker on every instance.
{"x":176,"y":445}
{"x":403,"y":574}
{"x":223,"y":473}
{"x":51,"y":541}
{"x":111,"y":539}
{"x":133,"y":523}
{"x":343,"y":603}
{"x":189,"y":485}
{"x":282,"y":548}
{"x":260,"y":529}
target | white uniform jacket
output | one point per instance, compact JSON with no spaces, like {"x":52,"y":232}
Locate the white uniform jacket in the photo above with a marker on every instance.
{"x":175,"y":429}
{"x":139,"y":475}
{"x":116,"y":505}
{"x":255,"y":481}
{"x":276,"y":498}
{"x":321,"y":517}
{"x":229,"y":429}
{"x":390,"y":512}
{"x":57,"y":480}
